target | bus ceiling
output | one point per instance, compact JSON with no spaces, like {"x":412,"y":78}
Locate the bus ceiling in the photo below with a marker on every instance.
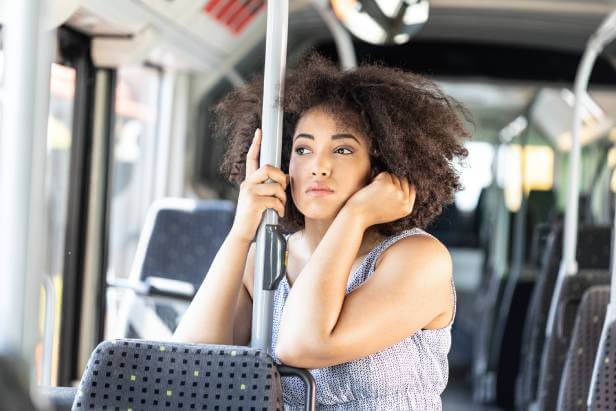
{"x":213,"y":35}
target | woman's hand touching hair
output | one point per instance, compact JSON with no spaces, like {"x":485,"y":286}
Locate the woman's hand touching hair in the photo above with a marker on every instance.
{"x":257,"y":194}
{"x":387,"y":198}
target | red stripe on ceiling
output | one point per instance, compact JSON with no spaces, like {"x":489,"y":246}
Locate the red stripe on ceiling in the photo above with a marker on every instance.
{"x":210,"y":6}
{"x":224,"y":9}
{"x":235,"y":14}
{"x":241,"y":7}
{"x":237,"y":11}
{"x":249,"y":17}
{"x":250,"y":7}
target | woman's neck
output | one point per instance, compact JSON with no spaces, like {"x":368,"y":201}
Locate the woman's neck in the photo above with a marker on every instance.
{"x":314,"y":231}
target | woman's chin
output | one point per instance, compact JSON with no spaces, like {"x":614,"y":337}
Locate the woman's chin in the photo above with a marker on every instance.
{"x":320,"y":212}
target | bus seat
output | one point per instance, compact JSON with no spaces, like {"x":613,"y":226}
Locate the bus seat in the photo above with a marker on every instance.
{"x":58,"y":398}
{"x":178,"y":243}
{"x":497,"y":352}
{"x":539,"y":244}
{"x":593,"y":253}
{"x":508,"y":331}
{"x":14,"y":393}
{"x":536,"y":319}
{"x":580,"y":360}
{"x":541,"y":211}
{"x":557,"y":345}
{"x":603,"y":396}
{"x":181,"y":239}
{"x":139,"y":374}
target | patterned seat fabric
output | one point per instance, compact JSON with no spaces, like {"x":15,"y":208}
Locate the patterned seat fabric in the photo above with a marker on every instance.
{"x":603,"y":396}
{"x":593,"y":253}
{"x":580,"y":360}
{"x":179,"y":241}
{"x":556,"y":347}
{"x":146,"y":375}
{"x":536,"y":319}
{"x":183,"y":241}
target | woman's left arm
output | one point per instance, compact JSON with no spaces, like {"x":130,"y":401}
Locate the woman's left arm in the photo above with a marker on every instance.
{"x":410,"y":288}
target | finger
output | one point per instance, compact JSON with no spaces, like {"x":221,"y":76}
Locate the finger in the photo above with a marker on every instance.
{"x":270,"y":189}
{"x":266,"y":172}
{"x":275,"y":204}
{"x":393,"y":179}
{"x":252,"y":157}
{"x":405,"y":186}
{"x":396,"y":181}
{"x":412,"y":192}
{"x":412,"y":196}
{"x":383,"y":175}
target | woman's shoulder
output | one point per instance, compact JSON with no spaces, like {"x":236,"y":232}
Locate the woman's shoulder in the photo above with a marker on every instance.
{"x":415,"y":248}
{"x":413,"y":240}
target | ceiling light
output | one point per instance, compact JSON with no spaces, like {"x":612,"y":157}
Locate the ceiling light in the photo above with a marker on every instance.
{"x":382,"y":21}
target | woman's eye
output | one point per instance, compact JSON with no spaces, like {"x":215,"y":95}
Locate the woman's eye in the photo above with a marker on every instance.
{"x":343,"y":150}
{"x":301,"y":150}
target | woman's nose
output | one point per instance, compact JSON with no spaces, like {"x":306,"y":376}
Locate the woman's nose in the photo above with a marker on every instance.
{"x":321,"y":167}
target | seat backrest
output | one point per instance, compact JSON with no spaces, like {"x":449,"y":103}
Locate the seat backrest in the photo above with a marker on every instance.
{"x":540,"y":210}
{"x":536,"y":319}
{"x":180,"y":239}
{"x":557,"y":344}
{"x":593,"y":252}
{"x":14,"y":393}
{"x":138,"y":374}
{"x":577,"y":371}
{"x":603,"y":396}
{"x":538,"y":245}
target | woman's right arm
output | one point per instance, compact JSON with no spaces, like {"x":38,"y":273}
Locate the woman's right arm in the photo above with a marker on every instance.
{"x":221,"y":311}
{"x":210,"y":318}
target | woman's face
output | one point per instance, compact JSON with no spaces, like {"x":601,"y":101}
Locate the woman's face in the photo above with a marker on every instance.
{"x":329,"y":163}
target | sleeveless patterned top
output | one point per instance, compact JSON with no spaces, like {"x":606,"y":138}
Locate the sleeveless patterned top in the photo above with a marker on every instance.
{"x":409,"y":375}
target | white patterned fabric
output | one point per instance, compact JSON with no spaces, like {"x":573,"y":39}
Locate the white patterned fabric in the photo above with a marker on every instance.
{"x":409,"y":375}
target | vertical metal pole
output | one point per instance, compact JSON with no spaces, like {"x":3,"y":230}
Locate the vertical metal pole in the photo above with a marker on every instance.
{"x":611,"y":313}
{"x":568,"y":265}
{"x":39,"y":241}
{"x":165,"y":128}
{"x":176,"y":177}
{"x":342,"y":37}
{"x":16,"y":160}
{"x":273,"y":90}
{"x":95,"y":221}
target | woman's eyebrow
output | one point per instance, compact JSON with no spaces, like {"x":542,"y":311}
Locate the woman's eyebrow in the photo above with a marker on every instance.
{"x":345,"y":135}
{"x":304,"y":135}
{"x":334,"y":137}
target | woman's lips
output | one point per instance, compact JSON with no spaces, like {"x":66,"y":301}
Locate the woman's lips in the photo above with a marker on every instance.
{"x":319,"y":192}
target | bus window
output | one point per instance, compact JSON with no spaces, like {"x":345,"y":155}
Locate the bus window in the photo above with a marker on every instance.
{"x":59,"y":126}
{"x":476,"y":175}
{"x":133,"y":168}
{"x":538,"y":171}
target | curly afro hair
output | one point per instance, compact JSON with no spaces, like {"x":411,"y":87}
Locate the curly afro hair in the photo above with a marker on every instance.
{"x":414,"y":129}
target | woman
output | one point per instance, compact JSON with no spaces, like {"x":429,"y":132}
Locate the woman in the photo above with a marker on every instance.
{"x":368,"y":300}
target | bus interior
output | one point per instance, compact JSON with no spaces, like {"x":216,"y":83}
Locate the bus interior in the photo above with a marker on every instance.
{"x":113,"y":207}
